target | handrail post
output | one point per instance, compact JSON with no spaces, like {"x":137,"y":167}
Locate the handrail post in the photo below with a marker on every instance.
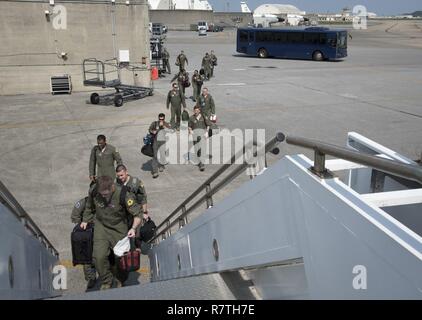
{"x":209,"y":198}
{"x":319,"y":162}
{"x":169,"y":229}
{"x":183,"y":221}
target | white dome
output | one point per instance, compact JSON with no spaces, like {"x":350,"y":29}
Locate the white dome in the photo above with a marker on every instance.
{"x":277,"y":9}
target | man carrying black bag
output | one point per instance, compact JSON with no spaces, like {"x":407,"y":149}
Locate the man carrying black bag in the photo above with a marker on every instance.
{"x":89,"y":269}
{"x":157,"y":130}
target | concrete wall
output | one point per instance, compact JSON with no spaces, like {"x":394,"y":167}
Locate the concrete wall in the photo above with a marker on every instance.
{"x":183,"y":19}
{"x":31,"y":45}
{"x":235,"y":19}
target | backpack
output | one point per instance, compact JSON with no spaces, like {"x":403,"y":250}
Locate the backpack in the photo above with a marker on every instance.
{"x":185,"y":115}
{"x":82,"y":242}
{"x":148,"y":139}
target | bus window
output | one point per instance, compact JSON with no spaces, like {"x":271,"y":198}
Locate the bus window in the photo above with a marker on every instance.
{"x":251,"y":36}
{"x":243,"y":36}
{"x":322,"y":38}
{"x":280,"y":37}
{"x":263,"y":36}
{"x":295,"y":37}
{"x":312,"y":38}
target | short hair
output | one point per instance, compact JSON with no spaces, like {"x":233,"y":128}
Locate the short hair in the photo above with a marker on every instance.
{"x":101,"y":137}
{"x":174,"y":84}
{"x":121,"y":167}
{"x":205,"y":88}
{"x":196,"y":107}
{"x":161,"y":115}
{"x":104,"y":183}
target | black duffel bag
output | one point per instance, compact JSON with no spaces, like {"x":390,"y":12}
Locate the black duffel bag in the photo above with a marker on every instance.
{"x":147,"y":150}
{"x":82,"y":244}
{"x":145,"y":233}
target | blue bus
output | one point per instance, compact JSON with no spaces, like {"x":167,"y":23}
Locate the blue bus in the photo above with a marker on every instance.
{"x":315,"y":43}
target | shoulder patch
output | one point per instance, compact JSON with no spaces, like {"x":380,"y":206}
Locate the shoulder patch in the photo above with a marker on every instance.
{"x":130,"y":202}
{"x":78,"y":205}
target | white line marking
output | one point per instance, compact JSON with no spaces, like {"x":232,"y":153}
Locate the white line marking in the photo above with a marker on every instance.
{"x":231,"y":84}
{"x":239,"y":69}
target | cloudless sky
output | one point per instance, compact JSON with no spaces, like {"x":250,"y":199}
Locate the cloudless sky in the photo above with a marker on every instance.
{"x":380,"y":7}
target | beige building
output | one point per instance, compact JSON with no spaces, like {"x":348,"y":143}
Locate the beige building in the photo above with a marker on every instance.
{"x":45,"y":38}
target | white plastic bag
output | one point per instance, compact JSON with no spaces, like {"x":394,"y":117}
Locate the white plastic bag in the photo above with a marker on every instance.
{"x":122,"y":247}
{"x":213,"y":118}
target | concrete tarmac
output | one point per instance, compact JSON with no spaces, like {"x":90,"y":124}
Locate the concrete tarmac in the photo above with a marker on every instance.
{"x":46,"y":140}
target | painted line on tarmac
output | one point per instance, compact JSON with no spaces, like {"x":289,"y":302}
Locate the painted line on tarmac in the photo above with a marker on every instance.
{"x":239,"y":69}
{"x":231,"y":84}
{"x":42,"y":123}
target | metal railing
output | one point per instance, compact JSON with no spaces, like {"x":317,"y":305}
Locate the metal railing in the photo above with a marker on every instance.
{"x":7,"y":199}
{"x":96,"y":71}
{"x":406,"y":171}
{"x":181,"y":213}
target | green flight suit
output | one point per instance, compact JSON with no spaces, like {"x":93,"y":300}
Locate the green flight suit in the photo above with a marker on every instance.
{"x":176,"y":99}
{"x":159,"y":140}
{"x":195,"y":124}
{"x":103,"y":161}
{"x":182,"y":80}
{"x":213,"y":63}
{"x":110,"y":227}
{"x":206,"y":64}
{"x":181,"y":60}
{"x":89,"y":269}
{"x":207,"y":105}
{"x":136,"y":186}
{"x":166,"y":57}
{"x":197,"y":81}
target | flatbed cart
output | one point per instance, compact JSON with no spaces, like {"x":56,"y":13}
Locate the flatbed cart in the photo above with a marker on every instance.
{"x":97,"y":72}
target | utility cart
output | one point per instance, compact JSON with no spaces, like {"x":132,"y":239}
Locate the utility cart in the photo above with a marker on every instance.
{"x":106,"y":74}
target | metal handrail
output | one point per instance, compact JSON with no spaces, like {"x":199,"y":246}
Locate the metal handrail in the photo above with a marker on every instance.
{"x":407,"y":171}
{"x":12,"y":204}
{"x":269,"y":146}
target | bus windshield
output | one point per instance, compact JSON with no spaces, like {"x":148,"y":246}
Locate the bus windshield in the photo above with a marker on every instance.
{"x":342,"y":40}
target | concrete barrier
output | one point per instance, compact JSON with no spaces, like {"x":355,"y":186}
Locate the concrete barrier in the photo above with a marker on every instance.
{"x":183,"y":20}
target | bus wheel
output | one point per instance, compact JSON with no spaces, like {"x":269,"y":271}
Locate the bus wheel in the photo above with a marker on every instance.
{"x":262,"y":53}
{"x":318,"y":56}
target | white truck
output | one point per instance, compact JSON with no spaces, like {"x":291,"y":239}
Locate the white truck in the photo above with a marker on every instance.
{"x":202,"y":28}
